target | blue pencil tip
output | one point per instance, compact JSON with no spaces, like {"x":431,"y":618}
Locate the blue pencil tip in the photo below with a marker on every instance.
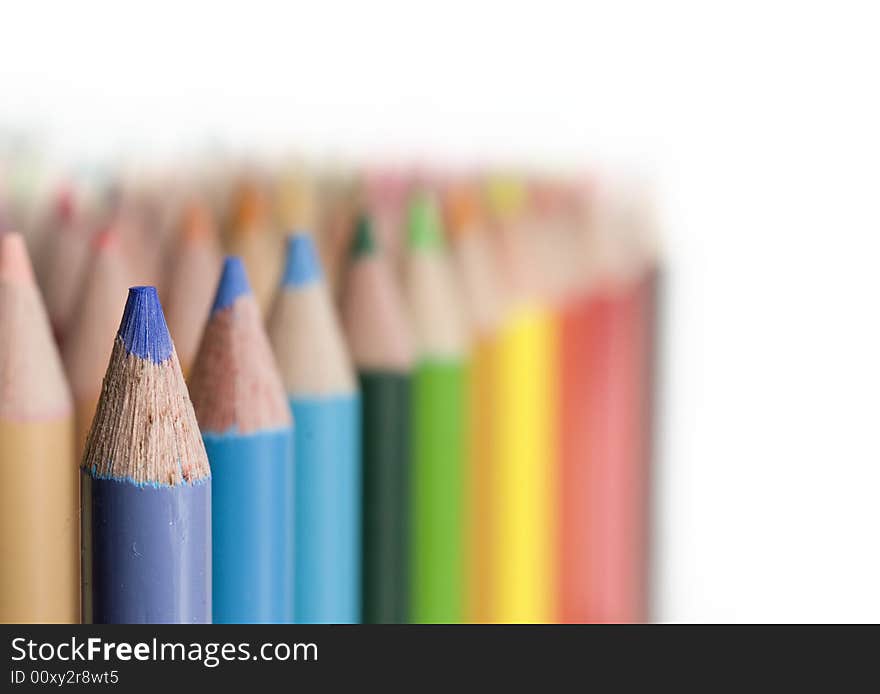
{"x":302,"y":266}
{"x":143,"y":329}
{"x":233,"y":284}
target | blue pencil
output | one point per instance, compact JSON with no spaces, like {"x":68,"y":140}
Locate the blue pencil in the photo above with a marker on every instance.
{"x":317,"y":374}
{"x":146,"y":484}
{"x":246,"y":424}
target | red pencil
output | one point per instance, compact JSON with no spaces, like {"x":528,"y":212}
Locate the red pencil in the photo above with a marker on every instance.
{"x":606,"y":353}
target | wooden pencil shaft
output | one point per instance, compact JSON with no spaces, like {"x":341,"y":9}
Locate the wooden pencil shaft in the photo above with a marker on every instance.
{"x":39,"y":522}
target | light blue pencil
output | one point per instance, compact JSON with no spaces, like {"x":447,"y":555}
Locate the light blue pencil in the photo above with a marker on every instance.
{"x":308,"y":343}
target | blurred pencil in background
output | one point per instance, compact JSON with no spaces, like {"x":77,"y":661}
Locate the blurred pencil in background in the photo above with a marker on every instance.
{"x":437,"y":589}
{"x":477,"y":269}
{"x":311,"y":353}
{"x":66,"y":256}
{"x":87,"y":348}
{"x":192,"y":279}
{"x":577,"y":380}
{"x":381,"y":348}
{"x":39,"y":534}
{"x":607,"y":545}
{"x":524,"y":522}
{"x":383,"y":193}
{"x":251,"y":236}
{"x":337,"y":192}
{"x":296,"y":205}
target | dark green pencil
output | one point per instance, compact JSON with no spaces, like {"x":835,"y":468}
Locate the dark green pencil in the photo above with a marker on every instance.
{"x":380,"y":344}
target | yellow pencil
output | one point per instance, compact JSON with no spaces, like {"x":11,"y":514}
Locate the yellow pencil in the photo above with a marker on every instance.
{"x":524,"y":527}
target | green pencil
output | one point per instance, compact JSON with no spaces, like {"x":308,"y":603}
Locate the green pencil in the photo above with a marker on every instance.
{"x":439,"y":423}
{"x":381,"y":348}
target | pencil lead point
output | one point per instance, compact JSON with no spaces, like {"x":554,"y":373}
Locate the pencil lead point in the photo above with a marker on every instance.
{"x":233,"y":283}
{"x":302,"y":266}
{"x":364,"y":242}
{"x":423,"y":223}
{"x":143,"y":329}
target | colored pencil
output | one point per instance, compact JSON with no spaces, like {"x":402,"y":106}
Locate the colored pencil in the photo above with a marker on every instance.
{"x":59,"y":213}
{"x":384,"y":193}
{"x":652,"y":311}
{"x":641,"y":228}
{"x":614,"y":482}
{"x":578,"y":378}
{"x":39,"y":538}
{"x":310,"y":350}
{"x":65,"y":264}
{"x":192,"y":280}
{"x":146,"y":484}
{"x":296,"y":206}
{"x":477,"y":268}
{"x":335,"y":226}
{"x":253,"y":238}
{"x":524,"y":514}
{"x":247,"y":428}
{"x":86,"y":350}
{"x":140,"y":218}
{"x":5,"y":217}
{"x":439,"y":423}
{"x":381,"y":346}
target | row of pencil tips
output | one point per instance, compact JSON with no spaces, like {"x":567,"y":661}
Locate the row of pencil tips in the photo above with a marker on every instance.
{"x":375,"y":409}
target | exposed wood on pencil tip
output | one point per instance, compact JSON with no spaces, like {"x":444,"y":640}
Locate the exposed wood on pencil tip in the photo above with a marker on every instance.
{"x":373,"y":313}
{"x":32,"y":382}
{"x":235,"y":383}
{"x":145,"y":431}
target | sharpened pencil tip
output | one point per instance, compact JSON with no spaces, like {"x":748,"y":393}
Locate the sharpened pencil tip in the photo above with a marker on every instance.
{"x":423,"y":223}
{"x":364,"y":241}
{"x":462,"y":209}
{"x":302,"y":266}
{"x":233,"y":283}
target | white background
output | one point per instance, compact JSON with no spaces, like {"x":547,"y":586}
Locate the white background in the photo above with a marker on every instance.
{"x":760,"y":121}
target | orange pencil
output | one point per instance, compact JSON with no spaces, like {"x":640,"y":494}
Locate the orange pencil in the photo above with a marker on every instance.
{"x":476,"y":265}
{"x":253,"y":238}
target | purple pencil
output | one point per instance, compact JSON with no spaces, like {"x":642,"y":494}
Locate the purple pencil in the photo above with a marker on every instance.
{"x":146,"y":484}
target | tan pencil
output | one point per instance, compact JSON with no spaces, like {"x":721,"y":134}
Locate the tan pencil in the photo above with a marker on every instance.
{"x":39,"y":498}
